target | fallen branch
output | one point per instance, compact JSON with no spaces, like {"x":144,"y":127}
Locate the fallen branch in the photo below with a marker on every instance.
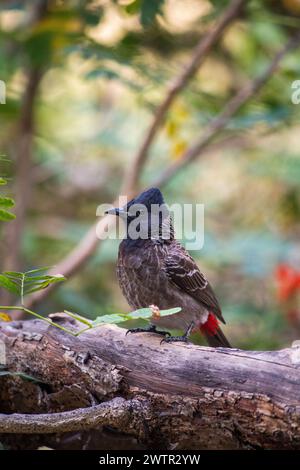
{"x":170,"y":396}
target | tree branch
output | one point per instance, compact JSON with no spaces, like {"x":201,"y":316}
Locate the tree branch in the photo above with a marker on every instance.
{"x":200,"y":53}
{"x":115,"y":412}
{"x":232,"y":107}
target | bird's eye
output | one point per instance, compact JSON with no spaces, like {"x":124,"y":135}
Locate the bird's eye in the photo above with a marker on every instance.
{"x":138,"y":213}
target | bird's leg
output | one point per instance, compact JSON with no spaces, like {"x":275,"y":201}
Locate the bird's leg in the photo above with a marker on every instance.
{"x":149,"y":329}
{"x":184,"y":338}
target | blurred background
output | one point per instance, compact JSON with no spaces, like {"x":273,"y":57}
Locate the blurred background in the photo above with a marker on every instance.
{"x":83,"y":79}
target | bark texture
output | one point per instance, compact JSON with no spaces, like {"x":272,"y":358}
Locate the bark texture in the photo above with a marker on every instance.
{"x":132,"y":389}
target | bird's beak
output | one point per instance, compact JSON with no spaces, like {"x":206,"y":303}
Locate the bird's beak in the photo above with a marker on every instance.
{"x":117,"y":211}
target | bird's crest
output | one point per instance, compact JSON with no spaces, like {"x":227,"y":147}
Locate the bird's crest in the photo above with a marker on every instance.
{"x":148,"y":197}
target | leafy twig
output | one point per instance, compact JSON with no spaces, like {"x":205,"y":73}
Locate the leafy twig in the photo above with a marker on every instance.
{"x":37,"y":315}
{"x":36,"y":279}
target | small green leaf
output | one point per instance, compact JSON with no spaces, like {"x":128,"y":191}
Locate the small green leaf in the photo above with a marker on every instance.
{"x":6,"y":216}
{"x":9,"y":285}
{"x":113,"y":318}
{"x":37,"y":279}
{"x":3,"y":181}
{"x":42,"y":285}
{"x":141,"y":313}
{"x":39,"y":270}
{"x":29,"y":282}
{"x":6,"y":201}
{"x":13,"y":274}
{"x":170,"y":311}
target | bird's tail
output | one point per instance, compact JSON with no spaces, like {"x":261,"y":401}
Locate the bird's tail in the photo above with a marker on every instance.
{"x":213,"y":333}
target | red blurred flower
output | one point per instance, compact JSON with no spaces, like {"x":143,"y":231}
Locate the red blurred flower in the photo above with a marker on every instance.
{"x":288,"y":281}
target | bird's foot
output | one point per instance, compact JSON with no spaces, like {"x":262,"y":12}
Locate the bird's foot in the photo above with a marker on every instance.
{"x":149,"y":329}
{"x":175,"y":339}
{"x":179,"y":339}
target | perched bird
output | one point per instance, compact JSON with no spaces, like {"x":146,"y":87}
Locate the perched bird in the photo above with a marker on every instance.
{"x":155,"y":269}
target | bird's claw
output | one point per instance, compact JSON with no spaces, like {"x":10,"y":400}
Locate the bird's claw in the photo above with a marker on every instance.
{"x":134,"y":330}
{"x":150,"y":329}
{"x":175,"y":339}
{"x":180,"y":339}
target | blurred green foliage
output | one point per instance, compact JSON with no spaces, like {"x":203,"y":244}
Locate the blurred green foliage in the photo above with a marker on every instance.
{"x":6,"y":203}
{"x":105,"y":69}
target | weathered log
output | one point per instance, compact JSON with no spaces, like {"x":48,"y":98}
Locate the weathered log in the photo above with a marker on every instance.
{"x":166,"y":396}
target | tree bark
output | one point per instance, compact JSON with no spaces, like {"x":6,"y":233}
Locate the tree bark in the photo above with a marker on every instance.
{"x":163,"y":396}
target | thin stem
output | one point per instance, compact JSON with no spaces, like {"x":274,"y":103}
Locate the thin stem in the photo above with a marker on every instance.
{"x":79,"y":318}
{"x":49,"y":321}
{"x":84,"y":330}
{"x":22,"y":288}
{"x":26,"y":310}
{"x":11,"y":307}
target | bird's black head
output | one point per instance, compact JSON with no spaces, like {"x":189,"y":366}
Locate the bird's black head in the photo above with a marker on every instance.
{"x":148,"y":198}
{"x":144,"y":215}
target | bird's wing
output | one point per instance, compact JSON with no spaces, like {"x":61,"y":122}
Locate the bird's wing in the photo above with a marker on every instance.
{"x":183,"y":271}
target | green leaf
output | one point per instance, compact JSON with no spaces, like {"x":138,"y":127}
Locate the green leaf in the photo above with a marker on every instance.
{"x":6,"y":202}
{"x":141,"y":313}
{"x":146,"y":313}
{"x":39,"y":270}
{"x":3,"y":181}
{"x":28,"y":282}
{"x":41,"y":285}
{"x":37,"y":279}
{"x":170,"y":311}
{"x":9,"y":285}
{"x":112,"y":318}
{"x":13,"y":274}
{"x":6,"y":216}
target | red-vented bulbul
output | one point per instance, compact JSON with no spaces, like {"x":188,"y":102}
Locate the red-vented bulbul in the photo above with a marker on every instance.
{"x":154,"y":269}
